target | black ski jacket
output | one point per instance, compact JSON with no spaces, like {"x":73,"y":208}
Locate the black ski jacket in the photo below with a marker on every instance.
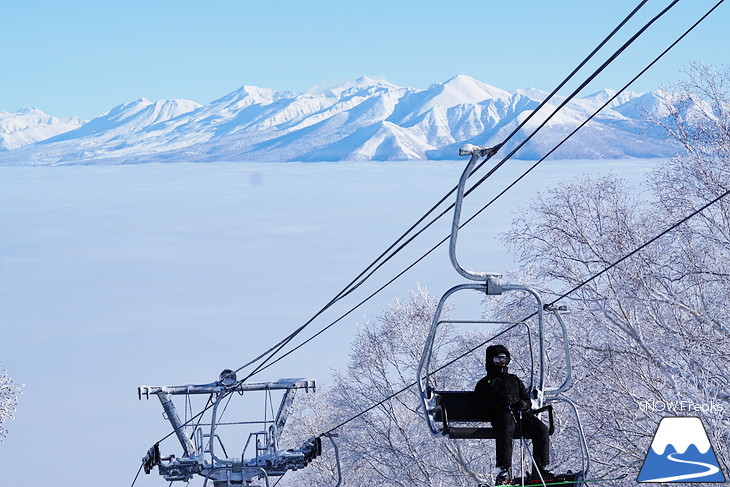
{"x":500,"y":390}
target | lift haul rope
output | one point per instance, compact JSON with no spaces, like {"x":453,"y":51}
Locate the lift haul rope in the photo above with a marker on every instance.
{"x":345,"y":292}
{"x":590,"y":279}
{"x":522,"y":143}
{"x":562,"y":296}
{"x":368,"y":272}
{"x":512,"y":134}
{"x":264,"y":365}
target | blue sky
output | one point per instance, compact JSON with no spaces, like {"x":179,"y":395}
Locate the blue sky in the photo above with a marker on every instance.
{"x":83,"y":57}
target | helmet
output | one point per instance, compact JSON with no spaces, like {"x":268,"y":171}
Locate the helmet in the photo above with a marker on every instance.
{"x":497,"y":358}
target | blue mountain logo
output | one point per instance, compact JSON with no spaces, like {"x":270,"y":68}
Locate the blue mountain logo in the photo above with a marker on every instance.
{"x":681,"y":452}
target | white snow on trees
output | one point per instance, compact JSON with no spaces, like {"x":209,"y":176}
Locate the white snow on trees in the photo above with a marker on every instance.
{"x":9,"y":391}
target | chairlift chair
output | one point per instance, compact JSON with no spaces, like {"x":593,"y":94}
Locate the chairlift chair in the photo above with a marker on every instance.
{"x":456,"y":414}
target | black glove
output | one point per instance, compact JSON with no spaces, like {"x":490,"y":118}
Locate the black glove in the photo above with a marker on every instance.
{"x":521,"y":406}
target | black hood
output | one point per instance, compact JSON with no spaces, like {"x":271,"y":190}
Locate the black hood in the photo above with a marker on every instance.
{"x":493,"y":351}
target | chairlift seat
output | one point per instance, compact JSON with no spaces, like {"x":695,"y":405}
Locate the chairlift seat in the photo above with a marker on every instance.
{"x":465,"y":407}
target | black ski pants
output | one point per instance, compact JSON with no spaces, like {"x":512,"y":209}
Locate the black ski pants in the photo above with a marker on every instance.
{"x":506,"y":429}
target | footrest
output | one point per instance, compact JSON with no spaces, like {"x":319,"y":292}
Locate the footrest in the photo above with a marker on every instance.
{"x":570,"y":479}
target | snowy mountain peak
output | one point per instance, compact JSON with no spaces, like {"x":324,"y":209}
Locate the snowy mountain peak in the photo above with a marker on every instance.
{"x":143,"y":112}
{"x":533,"y":93}
{"x":364,"y":84}
{"x":263,"y":94}
{"x":471,"y":88}
{"x":137,"y":104}
{"x":680,"y":432}
{"x":246,"y":95}
{"x":31,"y":111}
{"x":130,"y":117}
{"x":459,"y":90}
{"x":126,"y":109}
{"x":604,"y":94}
{"x":164,"y":110}
{"x":365,"y":81}
{"x":30,"y":125}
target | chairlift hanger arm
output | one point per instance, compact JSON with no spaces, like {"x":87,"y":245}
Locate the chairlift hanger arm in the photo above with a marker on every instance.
{"x":476,"y":152}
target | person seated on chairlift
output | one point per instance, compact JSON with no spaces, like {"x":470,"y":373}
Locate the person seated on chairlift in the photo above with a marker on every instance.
{"x":504,"y":397}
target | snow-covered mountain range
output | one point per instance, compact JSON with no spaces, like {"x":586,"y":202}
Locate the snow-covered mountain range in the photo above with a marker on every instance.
{"x":366,"y":119}
{"x":31,"y":125}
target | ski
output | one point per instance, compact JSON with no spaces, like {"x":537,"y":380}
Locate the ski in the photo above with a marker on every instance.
{"x":560,"y":480}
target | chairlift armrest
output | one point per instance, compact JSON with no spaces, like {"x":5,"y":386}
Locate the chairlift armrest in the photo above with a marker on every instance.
{"x":551,"y":420}
{"x":441,"y":412}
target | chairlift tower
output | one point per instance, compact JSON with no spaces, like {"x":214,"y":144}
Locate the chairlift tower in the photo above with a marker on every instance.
{"x":204,"y":453}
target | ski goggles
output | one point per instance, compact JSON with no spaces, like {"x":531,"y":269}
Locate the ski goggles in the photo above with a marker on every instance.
{"x":501,"y":359}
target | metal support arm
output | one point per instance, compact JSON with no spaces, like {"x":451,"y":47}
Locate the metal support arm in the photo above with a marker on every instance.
{"x":217,"y":388}
{"x":177,"y":425}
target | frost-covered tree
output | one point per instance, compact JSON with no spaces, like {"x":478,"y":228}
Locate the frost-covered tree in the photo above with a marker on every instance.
{"x":9,"y":391}
{"x":653,"y":329}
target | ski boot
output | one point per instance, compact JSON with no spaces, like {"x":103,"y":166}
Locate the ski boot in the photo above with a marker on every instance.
{"x":542,"y":474}
{"x":504,"y":476}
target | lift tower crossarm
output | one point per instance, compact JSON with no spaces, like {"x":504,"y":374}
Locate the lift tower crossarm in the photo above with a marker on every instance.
{"x":217,"y":387}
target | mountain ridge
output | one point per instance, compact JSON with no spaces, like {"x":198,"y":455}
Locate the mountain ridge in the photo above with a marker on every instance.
{"x":29,"y":125}
{"x":366,"y":119}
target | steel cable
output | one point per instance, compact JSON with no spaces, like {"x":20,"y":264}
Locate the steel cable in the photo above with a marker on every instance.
{"x":562,"y":296}
{"x":510,"y":186}
{"x":374,"y":266}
